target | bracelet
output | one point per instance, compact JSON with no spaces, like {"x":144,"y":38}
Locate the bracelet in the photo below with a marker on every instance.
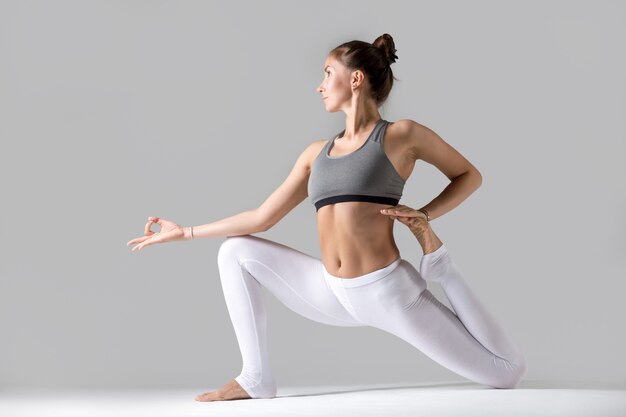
{"x":423,"y":210}
{"x":191,"y":227}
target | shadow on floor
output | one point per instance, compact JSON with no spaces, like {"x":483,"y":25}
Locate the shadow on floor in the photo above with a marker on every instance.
{"x":461,"y":386}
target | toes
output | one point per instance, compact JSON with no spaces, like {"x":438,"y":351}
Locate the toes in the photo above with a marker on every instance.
{"x":203,"y":397}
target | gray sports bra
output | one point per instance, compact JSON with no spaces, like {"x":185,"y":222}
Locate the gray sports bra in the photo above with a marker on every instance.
{"x":362,"y":175}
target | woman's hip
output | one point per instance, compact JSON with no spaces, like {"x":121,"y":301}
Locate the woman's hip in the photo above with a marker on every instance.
{"x":377,"y":295}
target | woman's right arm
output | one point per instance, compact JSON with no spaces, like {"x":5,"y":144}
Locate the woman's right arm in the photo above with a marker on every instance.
{"x":244,"y":223}
{"x":287,"y":196}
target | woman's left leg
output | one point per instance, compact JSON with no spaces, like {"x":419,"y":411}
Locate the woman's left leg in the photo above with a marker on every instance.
{"x":399,"y":303}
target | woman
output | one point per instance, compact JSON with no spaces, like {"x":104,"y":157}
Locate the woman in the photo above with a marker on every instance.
{"x":355,"y":181}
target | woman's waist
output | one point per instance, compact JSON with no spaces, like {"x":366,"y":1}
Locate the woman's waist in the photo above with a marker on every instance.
{"x":356,"y":258}
{"x":355,"y":238}
{"x":362,"y":279}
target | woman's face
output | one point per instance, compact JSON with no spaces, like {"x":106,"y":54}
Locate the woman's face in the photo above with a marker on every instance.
{"x":335,"y":87}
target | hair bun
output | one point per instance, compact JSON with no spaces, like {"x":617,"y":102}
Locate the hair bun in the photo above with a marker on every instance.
{"x":392,"y":56}
{"x":385,"y":43}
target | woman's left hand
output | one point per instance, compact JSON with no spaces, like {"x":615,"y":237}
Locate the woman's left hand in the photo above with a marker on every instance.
{"x":404,"y":214}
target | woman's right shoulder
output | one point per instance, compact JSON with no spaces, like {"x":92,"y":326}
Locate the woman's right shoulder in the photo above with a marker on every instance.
{"x":312,"y":151}
{"x":314,"y":148}
{"x":318,"y":144}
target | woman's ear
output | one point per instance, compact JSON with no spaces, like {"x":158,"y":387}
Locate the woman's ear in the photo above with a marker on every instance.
{"x":356,"y":78}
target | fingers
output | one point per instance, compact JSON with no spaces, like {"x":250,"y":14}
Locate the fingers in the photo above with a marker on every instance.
{"x":137,"y":240}
{"x":147,"y":242}
{"x":400,"y":210}
{"x":151,"y":220}
{"x":137,"y":247}
{"x":147,"y":232}
{"x":146,"y":229}
{"x":403,"y":213}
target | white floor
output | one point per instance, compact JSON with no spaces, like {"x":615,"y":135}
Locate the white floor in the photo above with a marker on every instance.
{"x":532,"y":398}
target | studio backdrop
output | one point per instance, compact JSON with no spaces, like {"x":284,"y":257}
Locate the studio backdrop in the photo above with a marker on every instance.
{"x":194,"y":111}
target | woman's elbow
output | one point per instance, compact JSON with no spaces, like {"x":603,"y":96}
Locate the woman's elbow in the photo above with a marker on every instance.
{"x":471,"y":177}
{"x":480,"y":179}
{"x":476,"y":176}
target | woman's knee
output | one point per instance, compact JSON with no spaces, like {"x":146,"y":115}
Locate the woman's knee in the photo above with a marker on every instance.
{"x":232,"y":246}
{"x":521,"y":368}
{"x":515,"y":375}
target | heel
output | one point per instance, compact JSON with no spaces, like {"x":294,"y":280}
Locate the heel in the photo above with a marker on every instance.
{"x":266,"y":389}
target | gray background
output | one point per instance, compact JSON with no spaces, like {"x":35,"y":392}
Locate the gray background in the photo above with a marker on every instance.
{"x":113,"y":111}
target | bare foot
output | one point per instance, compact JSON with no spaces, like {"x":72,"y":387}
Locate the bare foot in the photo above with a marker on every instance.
{"x":425,"y":235}
{"x":230,"y":391}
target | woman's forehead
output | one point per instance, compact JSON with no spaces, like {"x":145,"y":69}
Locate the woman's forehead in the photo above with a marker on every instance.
{"x":331,"y":63}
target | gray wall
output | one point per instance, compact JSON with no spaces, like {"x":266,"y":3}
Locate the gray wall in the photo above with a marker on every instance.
{"x":113,"y":111}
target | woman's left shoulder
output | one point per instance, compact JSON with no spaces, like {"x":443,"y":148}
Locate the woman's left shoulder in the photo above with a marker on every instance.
{"x":404,"y":126}
{"x":405,"y":130}
{"x":407,"y":135}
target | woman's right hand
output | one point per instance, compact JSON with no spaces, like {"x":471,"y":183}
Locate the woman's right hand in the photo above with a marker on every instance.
{"x":170,"y":231}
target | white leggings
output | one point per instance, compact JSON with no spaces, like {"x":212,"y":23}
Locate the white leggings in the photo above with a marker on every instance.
{"x":394,"y":298}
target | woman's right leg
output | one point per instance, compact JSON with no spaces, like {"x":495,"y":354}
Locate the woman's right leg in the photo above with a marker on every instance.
{"x":439,"y":266}
{"x":247,"y":263}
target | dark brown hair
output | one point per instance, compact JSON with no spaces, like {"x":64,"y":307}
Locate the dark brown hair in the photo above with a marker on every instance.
{"x":374,"y":59}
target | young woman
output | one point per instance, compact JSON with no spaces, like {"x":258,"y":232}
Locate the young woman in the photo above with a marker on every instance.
{"x":355,"y":181}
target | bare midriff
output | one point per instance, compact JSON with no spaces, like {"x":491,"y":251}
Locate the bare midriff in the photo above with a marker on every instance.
{"x":355,"y":238}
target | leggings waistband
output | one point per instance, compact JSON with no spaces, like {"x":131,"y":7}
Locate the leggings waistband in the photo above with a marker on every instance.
{"x":362,"y":279}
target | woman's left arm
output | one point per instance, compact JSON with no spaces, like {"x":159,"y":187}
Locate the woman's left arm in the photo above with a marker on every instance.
{"x":425,"y":144}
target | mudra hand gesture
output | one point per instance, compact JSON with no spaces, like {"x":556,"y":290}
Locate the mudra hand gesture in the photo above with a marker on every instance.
{"x":411,"y":217}
{"x":170,"y":231}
